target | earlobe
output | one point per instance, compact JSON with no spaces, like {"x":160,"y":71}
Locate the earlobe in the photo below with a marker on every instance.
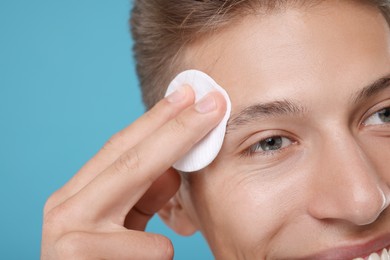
{"x":176,"y":217}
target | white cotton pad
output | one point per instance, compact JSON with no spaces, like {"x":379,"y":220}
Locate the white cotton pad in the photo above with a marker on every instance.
{"x":205,"y":151}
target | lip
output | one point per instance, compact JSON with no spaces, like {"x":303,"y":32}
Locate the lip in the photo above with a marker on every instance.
{"x":351,"y":252}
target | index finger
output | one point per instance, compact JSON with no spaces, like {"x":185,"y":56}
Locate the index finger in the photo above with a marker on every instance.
{"x":121,"y":185}
{"x":161,"y":113}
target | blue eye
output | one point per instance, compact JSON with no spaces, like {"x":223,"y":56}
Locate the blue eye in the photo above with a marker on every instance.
{"x":378,"y":118}
{"x":272,"y":143}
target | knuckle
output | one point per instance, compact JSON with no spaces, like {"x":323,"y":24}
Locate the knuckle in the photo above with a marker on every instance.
{"x":165,"y":247}
{"x":129,"y":161}
{"x":113,"y":142}
{"x":71,"y":246}
{"x":178,"y":125}
{"x":49,"y":204}
{"x":54,"y":221}
{"x":152,"y":114}
{"x":54,"y":200}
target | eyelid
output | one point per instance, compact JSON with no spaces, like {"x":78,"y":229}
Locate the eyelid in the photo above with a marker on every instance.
{"x":373,"y":110}
{"x":375,"y":114}
{"x":263,"y":135}
{"x":269,"y":152}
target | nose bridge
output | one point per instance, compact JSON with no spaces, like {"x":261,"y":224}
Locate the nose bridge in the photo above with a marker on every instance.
{"x":346,"y":185}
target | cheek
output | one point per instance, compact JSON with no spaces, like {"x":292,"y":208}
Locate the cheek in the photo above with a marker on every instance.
{"x":242,"y":210}
{"x":377,"y":149}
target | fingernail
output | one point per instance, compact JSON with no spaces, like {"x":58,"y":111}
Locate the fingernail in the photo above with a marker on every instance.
{"x":177,"y":95}
{"x":206,"y":104}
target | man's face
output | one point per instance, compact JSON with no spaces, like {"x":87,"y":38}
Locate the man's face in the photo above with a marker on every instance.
{"x":304,"y":168}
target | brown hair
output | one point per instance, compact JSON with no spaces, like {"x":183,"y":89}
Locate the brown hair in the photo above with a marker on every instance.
{"x":162,"y":28}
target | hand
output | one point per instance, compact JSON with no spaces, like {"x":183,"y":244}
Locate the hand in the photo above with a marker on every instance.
{"x":101,"y":213}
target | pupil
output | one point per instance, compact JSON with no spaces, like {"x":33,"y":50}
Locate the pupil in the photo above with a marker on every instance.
{"x":272,"y":143}
{"x":384,"y":115}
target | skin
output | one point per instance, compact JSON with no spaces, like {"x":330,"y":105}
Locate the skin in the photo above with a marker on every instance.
{"x":326,"y":186}
{"x":101,"y":211}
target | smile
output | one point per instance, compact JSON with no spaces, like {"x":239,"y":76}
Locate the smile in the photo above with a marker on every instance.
{"x":376,"y":249}
{"x":384,"y":254}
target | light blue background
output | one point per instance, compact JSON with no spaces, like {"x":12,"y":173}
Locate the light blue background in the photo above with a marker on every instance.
{"x":67,"y":83}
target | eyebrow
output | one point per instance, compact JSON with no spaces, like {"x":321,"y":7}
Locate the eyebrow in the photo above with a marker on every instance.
{"x":372,"y":89}
{"x":288,"y":107}
{"x":270,"y":109}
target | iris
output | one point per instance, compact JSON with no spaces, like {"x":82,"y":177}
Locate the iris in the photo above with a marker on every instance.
{"x":384,"y":115}
{"x":272,"y":143}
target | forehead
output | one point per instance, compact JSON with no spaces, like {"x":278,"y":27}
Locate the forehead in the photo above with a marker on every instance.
{"x":331,"y":47}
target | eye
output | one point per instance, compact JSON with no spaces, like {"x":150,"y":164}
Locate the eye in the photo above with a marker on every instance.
{"x":272,"y":143}
{"x":378,"y":118}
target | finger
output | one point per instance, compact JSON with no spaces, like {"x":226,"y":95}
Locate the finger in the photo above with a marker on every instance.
{"x":161,"y":191}
{"x":126,"y":244}
{"x":162,"y":112}
{"x":127,"y":179}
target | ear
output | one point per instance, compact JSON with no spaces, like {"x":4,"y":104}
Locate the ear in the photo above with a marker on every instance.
{"x":176,"y":217}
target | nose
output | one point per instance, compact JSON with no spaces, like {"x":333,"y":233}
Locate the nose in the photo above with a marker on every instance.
{"x":346,"y":185}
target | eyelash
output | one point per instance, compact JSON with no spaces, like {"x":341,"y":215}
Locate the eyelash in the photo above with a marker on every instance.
{"x":253,"y":149}
{"x":385,"y":109}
